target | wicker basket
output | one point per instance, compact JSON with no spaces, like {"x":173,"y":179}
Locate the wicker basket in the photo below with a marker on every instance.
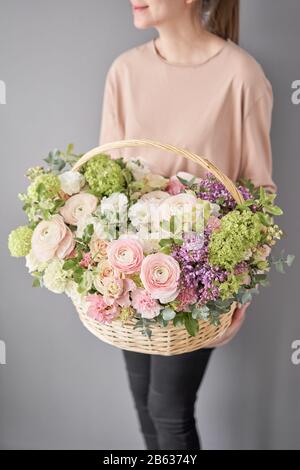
{"x":169,"y":340}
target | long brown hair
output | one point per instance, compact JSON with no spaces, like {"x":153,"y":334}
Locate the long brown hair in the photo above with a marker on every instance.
{"x":222,"y":17}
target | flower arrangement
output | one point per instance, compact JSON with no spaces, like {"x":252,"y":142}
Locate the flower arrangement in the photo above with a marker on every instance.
{"x":125,"y":243}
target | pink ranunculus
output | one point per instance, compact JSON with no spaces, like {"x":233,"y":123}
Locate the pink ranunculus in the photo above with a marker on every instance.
{"x":77,"y":207}
{"x":99,"y":310}
{"x":125,"y":255}
{"x":52,"y":238}
{"x":174,"y":186}
{"x":160,"y":275}
{"x":144,"y":304}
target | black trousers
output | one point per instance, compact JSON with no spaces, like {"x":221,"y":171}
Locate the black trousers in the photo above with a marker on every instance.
{"x":164,"y":390}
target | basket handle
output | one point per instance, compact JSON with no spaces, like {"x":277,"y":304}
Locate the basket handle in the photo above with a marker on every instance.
{"x":229,"y":185}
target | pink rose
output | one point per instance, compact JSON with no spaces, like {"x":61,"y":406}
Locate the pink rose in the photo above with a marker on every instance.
{"x":52,"y":238}
{"x":116,"y":291}
{"x":174,"y":186}
{"x":125,"y":255}
{"x":98,"y":248}
{"x":144,"y":304}
{"x":78,"y":207}
{"x":160,"y":275}
{"x":98,"y":309}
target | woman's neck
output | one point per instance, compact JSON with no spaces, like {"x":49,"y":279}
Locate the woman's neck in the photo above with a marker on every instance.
{"x":182,"y":45}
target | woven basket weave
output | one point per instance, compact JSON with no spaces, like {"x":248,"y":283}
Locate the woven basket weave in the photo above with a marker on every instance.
{"x":168,"y":340}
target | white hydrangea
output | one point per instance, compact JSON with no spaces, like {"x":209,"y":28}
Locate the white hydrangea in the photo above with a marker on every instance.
{"x":138,"y":168}
{"x":33,"y":264}
{"x":101,"y":227}
{"x":55,"y":277}
{"x":155,"y":196}
{"x":71,"y":182}
{"x":77,"y":298}
{"x":114,"y":207}
{"x":139,"y":213}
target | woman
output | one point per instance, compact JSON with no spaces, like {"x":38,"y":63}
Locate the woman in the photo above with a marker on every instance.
{"x":193,"y":87}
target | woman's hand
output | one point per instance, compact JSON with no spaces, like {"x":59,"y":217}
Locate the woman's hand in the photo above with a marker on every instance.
{"x":238,"y":318}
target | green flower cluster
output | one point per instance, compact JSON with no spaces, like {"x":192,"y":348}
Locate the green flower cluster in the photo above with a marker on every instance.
{"x":104,"y":176}
{"x":45,"y":186}
{"x":19,"y":241}
{"x":239,"y":232}
{"x":230,"y":287}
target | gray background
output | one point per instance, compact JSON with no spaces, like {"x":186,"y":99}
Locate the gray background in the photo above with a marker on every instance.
{"x":61,"y":387}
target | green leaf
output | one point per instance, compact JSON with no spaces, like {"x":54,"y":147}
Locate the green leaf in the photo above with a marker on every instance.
{"x":165,"y":242}
{"x":274,"y":210}
{"x":70,"y":149}
{"x":168,"y":314}
{"x":178,"y":320}
{"x":69,"y":264}
{"x":279,"y":266}
{"x":289,"y":260}
{"x":88,"y":232}
{"x":36,"y":282}
{"x":200,"y":313}
{"x":191,"y":325}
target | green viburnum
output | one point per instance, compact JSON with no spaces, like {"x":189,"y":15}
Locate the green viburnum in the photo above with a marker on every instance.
{"x":104,"y":176}
{"x":19,"y":241}
{"x":230,"y":286}
{"x":239,"y":232}
{"x":45,"y":186}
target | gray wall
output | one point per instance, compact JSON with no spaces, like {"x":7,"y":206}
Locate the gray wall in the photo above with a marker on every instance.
{"x":61,"y":387}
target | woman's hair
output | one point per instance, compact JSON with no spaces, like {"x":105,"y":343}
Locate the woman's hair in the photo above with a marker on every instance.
{"x":222,"y":17}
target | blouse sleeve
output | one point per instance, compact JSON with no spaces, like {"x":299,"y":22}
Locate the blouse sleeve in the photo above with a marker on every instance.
{"x":111,"y":128}
{"x":256,"y":149}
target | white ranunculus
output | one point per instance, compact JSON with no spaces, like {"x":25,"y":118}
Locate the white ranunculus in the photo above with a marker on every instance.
{"x":71,"y":182}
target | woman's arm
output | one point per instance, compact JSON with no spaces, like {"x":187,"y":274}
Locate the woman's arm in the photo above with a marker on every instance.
{"x":111,"y":128}
{"x":256,"y":147}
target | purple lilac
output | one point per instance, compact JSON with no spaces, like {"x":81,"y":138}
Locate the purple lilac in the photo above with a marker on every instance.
{"x":196,"y":272}
{"x":212,"y":190}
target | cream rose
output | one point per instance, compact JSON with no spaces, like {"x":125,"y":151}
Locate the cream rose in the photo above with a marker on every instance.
{"x":52,"y":238}
{"x":98,"y":248}
{"x":78,"y":207}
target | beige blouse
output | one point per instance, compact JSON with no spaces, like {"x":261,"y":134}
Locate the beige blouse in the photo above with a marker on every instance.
{"x":220,"y":109}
